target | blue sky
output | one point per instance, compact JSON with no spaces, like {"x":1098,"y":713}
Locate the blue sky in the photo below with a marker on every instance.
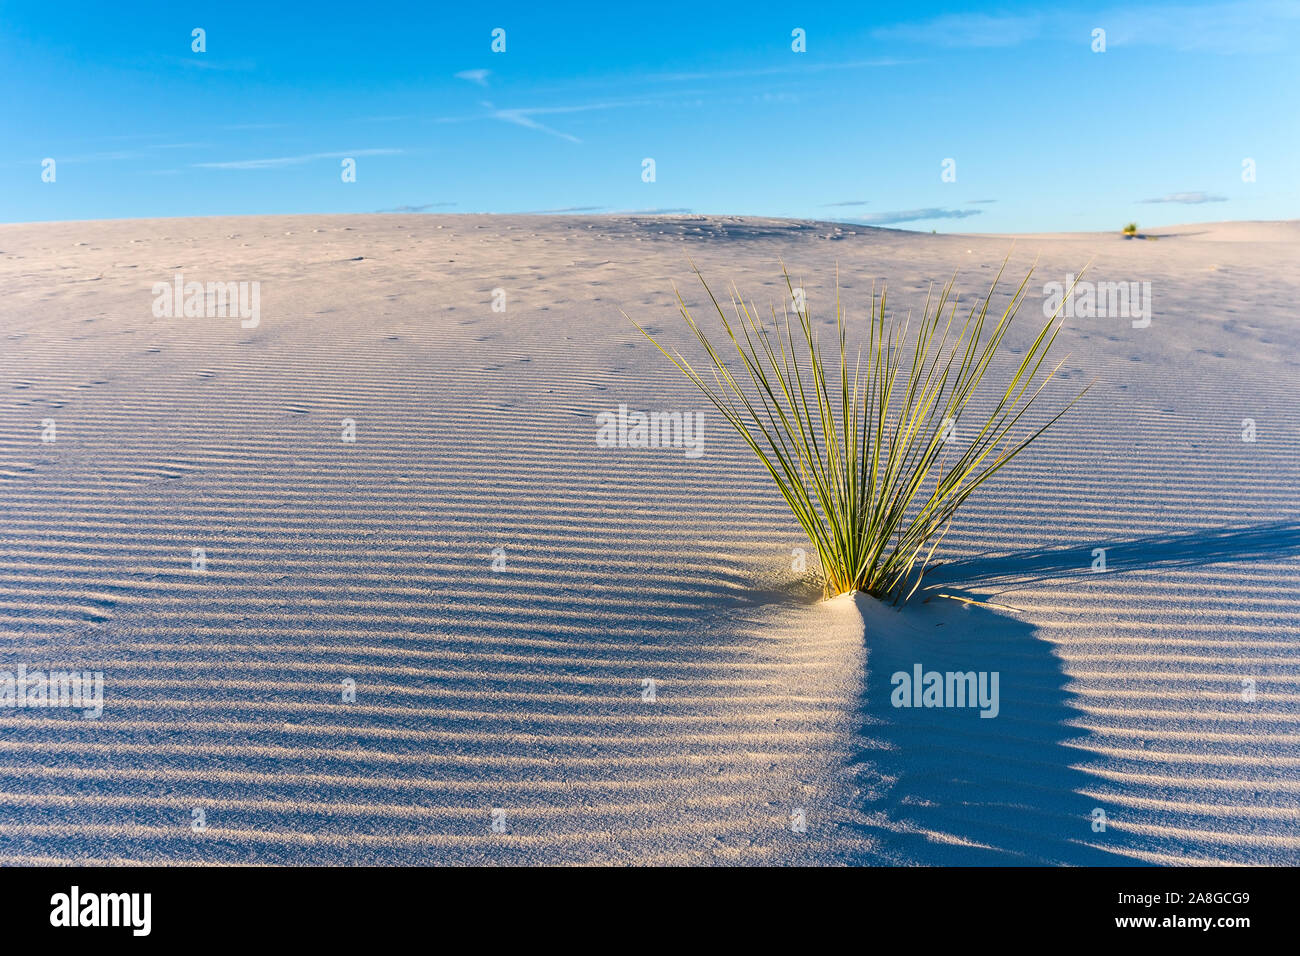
{"x":1046,"y":134}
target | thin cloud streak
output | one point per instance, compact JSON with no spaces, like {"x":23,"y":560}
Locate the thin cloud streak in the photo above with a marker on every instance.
{"x":279,"y":162}
{"x":1189,"y":199}
{"x":422,"y":208}
{"x":768,"y":71}
{"x":559,"y":212}
{"x":523,"y":116}
{"x":916,"y":215}
{"x":679,"y":211}
{"x":964,"y":30}
{"x":1244,"y":26}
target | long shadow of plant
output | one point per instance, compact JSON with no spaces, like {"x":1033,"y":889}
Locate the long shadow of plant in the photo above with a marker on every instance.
{"x":1263,"y":542}
{"x":943,"y":785}
{"x":946,"y":786}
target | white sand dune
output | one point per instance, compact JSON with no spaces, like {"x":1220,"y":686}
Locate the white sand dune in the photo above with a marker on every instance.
{"x":521,"y":689}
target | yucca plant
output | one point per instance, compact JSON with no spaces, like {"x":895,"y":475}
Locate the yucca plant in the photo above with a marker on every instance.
{"x":860,"y":456}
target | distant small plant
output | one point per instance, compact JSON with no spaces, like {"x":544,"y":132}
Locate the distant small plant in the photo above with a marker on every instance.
{"x":852,"y":459}
{"x":1131,"y":230}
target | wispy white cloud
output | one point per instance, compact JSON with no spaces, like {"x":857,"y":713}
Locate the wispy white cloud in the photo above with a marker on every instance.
{"x":668,"y":211}
{"x":1245,"y":26}
{"x":525,"y":119}
{"x":1237,"y":26}
{"x":964,"y":30}
{"x":527,"y":116}
{"x":523,"y":116}
{"x":422,"y":208}
{"x":915,"y":215}
{"x":474,"y":76}
{"x":713,"y":75}
{"x":1190,"y":199}
{"x":281,"y":161}
{"x":102,"y":157}
{"x":110,"y":156}
{"x":205,"y":61}
{"x":561,"y":211}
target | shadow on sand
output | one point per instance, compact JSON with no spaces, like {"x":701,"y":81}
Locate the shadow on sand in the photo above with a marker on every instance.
{"x":1262,"y":542}
{"x":943,"y":785}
